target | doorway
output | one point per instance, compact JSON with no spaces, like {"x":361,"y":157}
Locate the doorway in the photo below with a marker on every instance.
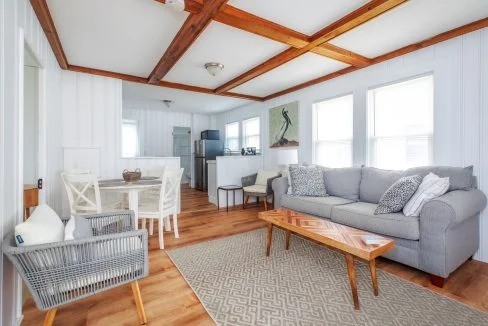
{"x":182,"y":149}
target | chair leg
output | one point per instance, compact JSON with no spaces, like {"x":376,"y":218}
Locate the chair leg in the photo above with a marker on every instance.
{"x":48,"y":320}
{"x":265,"y":203}
{"x":167,"y":224}
{"x":161,"y":233}
{"x":151,"y":227}
{"x":175,"y":225}
{"x":143,"y":226}
{"x":245,"y":201}
{"x":138,"y":299}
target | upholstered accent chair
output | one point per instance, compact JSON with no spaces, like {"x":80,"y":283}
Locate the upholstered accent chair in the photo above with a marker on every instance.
{"x":259,"y":185}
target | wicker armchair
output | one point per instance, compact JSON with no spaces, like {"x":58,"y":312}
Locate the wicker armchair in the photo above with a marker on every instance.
{"x":252,"y":190}
{"x":63,"y":272}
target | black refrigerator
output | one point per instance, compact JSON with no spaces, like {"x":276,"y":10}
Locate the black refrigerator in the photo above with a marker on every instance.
{"x":205,"y":150}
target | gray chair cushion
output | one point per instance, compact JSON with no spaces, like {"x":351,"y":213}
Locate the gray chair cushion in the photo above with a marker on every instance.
{"x":319,"y":206}
{"x":343,"y":182}
{"x":459,"y":178}
{"x":374,"y":183}
{"x":361,"y":215}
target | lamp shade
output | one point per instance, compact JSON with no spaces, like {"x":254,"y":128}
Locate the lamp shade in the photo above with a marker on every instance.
{"x":287,"y":156}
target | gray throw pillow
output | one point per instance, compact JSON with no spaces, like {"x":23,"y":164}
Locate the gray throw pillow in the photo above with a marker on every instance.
{"x":307,"y":181}
{"x":397,"y":196}
{"x":77,"y":227}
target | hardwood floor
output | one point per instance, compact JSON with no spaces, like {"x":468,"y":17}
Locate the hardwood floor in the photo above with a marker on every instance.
{"x":168,"y":300}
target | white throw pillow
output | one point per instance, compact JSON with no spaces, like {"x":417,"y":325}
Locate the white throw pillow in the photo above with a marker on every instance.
{"x":431,"y":187}
{"x":263,"y":176}
{"x":43,"y":226}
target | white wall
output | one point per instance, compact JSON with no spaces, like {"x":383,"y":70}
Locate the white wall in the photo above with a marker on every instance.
{"x":31,"y":124}
{"x":14,"y":16}
{"x":460,"y":71}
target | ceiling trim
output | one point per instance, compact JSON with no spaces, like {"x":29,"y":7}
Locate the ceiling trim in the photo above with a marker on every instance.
{"x":46,"y":21}
{"x":193,"y":26}
{"x":248,"y":22}
{"x":359,"y":16}
{"x":468,"y":28}
{"x":142,"y":80}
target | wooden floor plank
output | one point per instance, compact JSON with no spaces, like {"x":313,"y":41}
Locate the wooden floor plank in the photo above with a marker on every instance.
{"x":169,"y":300}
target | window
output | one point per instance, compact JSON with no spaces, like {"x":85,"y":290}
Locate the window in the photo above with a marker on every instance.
{"x":232,"y":136}
{"x":401,"y":123}
{"x":251,"y":133}
{"x":333,"y":132}
{"x":130,"y":138}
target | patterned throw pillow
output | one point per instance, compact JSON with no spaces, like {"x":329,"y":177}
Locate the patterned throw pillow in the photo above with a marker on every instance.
{"x":307,"y":181}
{"x":397,"y":196}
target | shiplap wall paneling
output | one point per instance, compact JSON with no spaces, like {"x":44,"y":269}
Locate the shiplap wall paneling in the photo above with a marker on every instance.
{"x":14,"y":16}
{"x":460,"y":74}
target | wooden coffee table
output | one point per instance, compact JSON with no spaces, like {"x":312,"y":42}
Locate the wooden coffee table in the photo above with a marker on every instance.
{"x":344,"y":239}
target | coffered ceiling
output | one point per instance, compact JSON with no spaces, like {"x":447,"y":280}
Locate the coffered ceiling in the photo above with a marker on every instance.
{"x":268,"y":47}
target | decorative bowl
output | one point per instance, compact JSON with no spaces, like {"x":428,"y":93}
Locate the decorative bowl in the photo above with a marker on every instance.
{"x":131,"y":176}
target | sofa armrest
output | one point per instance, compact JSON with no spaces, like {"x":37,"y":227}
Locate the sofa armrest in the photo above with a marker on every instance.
{"x":269,"y":184}
{"x":449,"y":230}
{"x":249,"y":180}
{"x":280,"y":187}
{"x":454,"y":207}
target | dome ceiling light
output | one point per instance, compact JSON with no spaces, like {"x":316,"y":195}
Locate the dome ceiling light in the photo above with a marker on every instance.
{"x":214,"y":68}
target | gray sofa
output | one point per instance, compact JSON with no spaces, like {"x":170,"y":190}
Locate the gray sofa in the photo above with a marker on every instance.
{"x":444,"y":236}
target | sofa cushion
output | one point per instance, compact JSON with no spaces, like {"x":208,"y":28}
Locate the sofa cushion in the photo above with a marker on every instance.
{"x":343,"y":182}
{"x":374,"y":183}
{"x":319,"y":206}
{"x":361,"y":215}
{"x":397,"y":196}
{"x":307,"y":181}
{"x":459,"y":178}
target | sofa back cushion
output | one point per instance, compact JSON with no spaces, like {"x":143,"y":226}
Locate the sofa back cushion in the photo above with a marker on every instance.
{"x":374,"y":183}
{"x":343,"y":182}
{"x":459,"y":178}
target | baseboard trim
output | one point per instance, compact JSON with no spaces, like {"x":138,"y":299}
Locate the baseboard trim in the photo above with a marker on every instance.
{"x":18,"y":321}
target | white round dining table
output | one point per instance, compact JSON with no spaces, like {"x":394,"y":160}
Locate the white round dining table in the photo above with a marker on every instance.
{"x":132,"y":189}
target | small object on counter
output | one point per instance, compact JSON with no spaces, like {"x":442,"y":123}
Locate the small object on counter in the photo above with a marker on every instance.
{"x":243,"y":151}
{"x":131,"y":176}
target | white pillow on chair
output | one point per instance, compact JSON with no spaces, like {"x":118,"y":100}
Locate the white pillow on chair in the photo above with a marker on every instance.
{"x":263,"y":176}
{"x":43,"y":226}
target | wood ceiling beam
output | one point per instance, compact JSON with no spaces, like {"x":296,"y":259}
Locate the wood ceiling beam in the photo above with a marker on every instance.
{"x":363,"y":14}
{"x":142,"y":80}
{"x":188,"y":33}
{"x":468,"y":28}
{"x":248,"y":22}
{"x":44,"y":16}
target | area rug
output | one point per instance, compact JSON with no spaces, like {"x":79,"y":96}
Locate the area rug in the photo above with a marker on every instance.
{"x":306,"y":285}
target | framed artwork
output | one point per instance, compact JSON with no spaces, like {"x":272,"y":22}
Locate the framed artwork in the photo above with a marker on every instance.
{"x":283,"y":126}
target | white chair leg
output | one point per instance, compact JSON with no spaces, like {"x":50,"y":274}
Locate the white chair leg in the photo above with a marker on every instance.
{"x":175,"y":225}
{"x":167,"y":224}
{"x":143,"y":226}
{"x":161,"y":233}
{"x":151,"y":227}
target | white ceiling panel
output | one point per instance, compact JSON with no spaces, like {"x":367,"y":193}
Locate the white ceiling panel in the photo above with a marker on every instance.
{"x":237,"y":50}
{"x":307,"y":17}
{"x":297,"y":71}
{"x":151,"y":97}
{"x":125,"y":36}
{"x":410,"y":23}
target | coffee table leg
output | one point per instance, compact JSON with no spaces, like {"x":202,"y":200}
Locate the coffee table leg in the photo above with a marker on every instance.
{"x":268,"y":239}
{"x":352,"y":280}
{"x":287,"y":240}
{"x":372,"y":269}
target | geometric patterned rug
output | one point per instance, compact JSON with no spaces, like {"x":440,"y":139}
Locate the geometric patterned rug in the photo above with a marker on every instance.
{"x":306,"y":285}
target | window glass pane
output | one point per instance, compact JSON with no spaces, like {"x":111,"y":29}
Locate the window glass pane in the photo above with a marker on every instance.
{"x":251,"y":132}
{"x":232,"y":136}
{"x":402,"y":124}
{"x":333,"y":125}
{"x":129,"y":138}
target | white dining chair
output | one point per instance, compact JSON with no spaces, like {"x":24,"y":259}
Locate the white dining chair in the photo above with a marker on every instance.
{"x":153,"y":171}
{"x":83,"y":193}
{"x":166,"y":207}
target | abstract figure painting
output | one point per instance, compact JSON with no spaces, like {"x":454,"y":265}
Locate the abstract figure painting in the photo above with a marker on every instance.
{"x":283,"y":126}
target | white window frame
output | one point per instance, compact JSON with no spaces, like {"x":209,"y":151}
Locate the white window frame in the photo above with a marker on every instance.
{"x":132,"y":122}
{"x":245,"y":136}
{"x":371,"y":119}
{"x":238,"y":136}
{"x":315,"y":128}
